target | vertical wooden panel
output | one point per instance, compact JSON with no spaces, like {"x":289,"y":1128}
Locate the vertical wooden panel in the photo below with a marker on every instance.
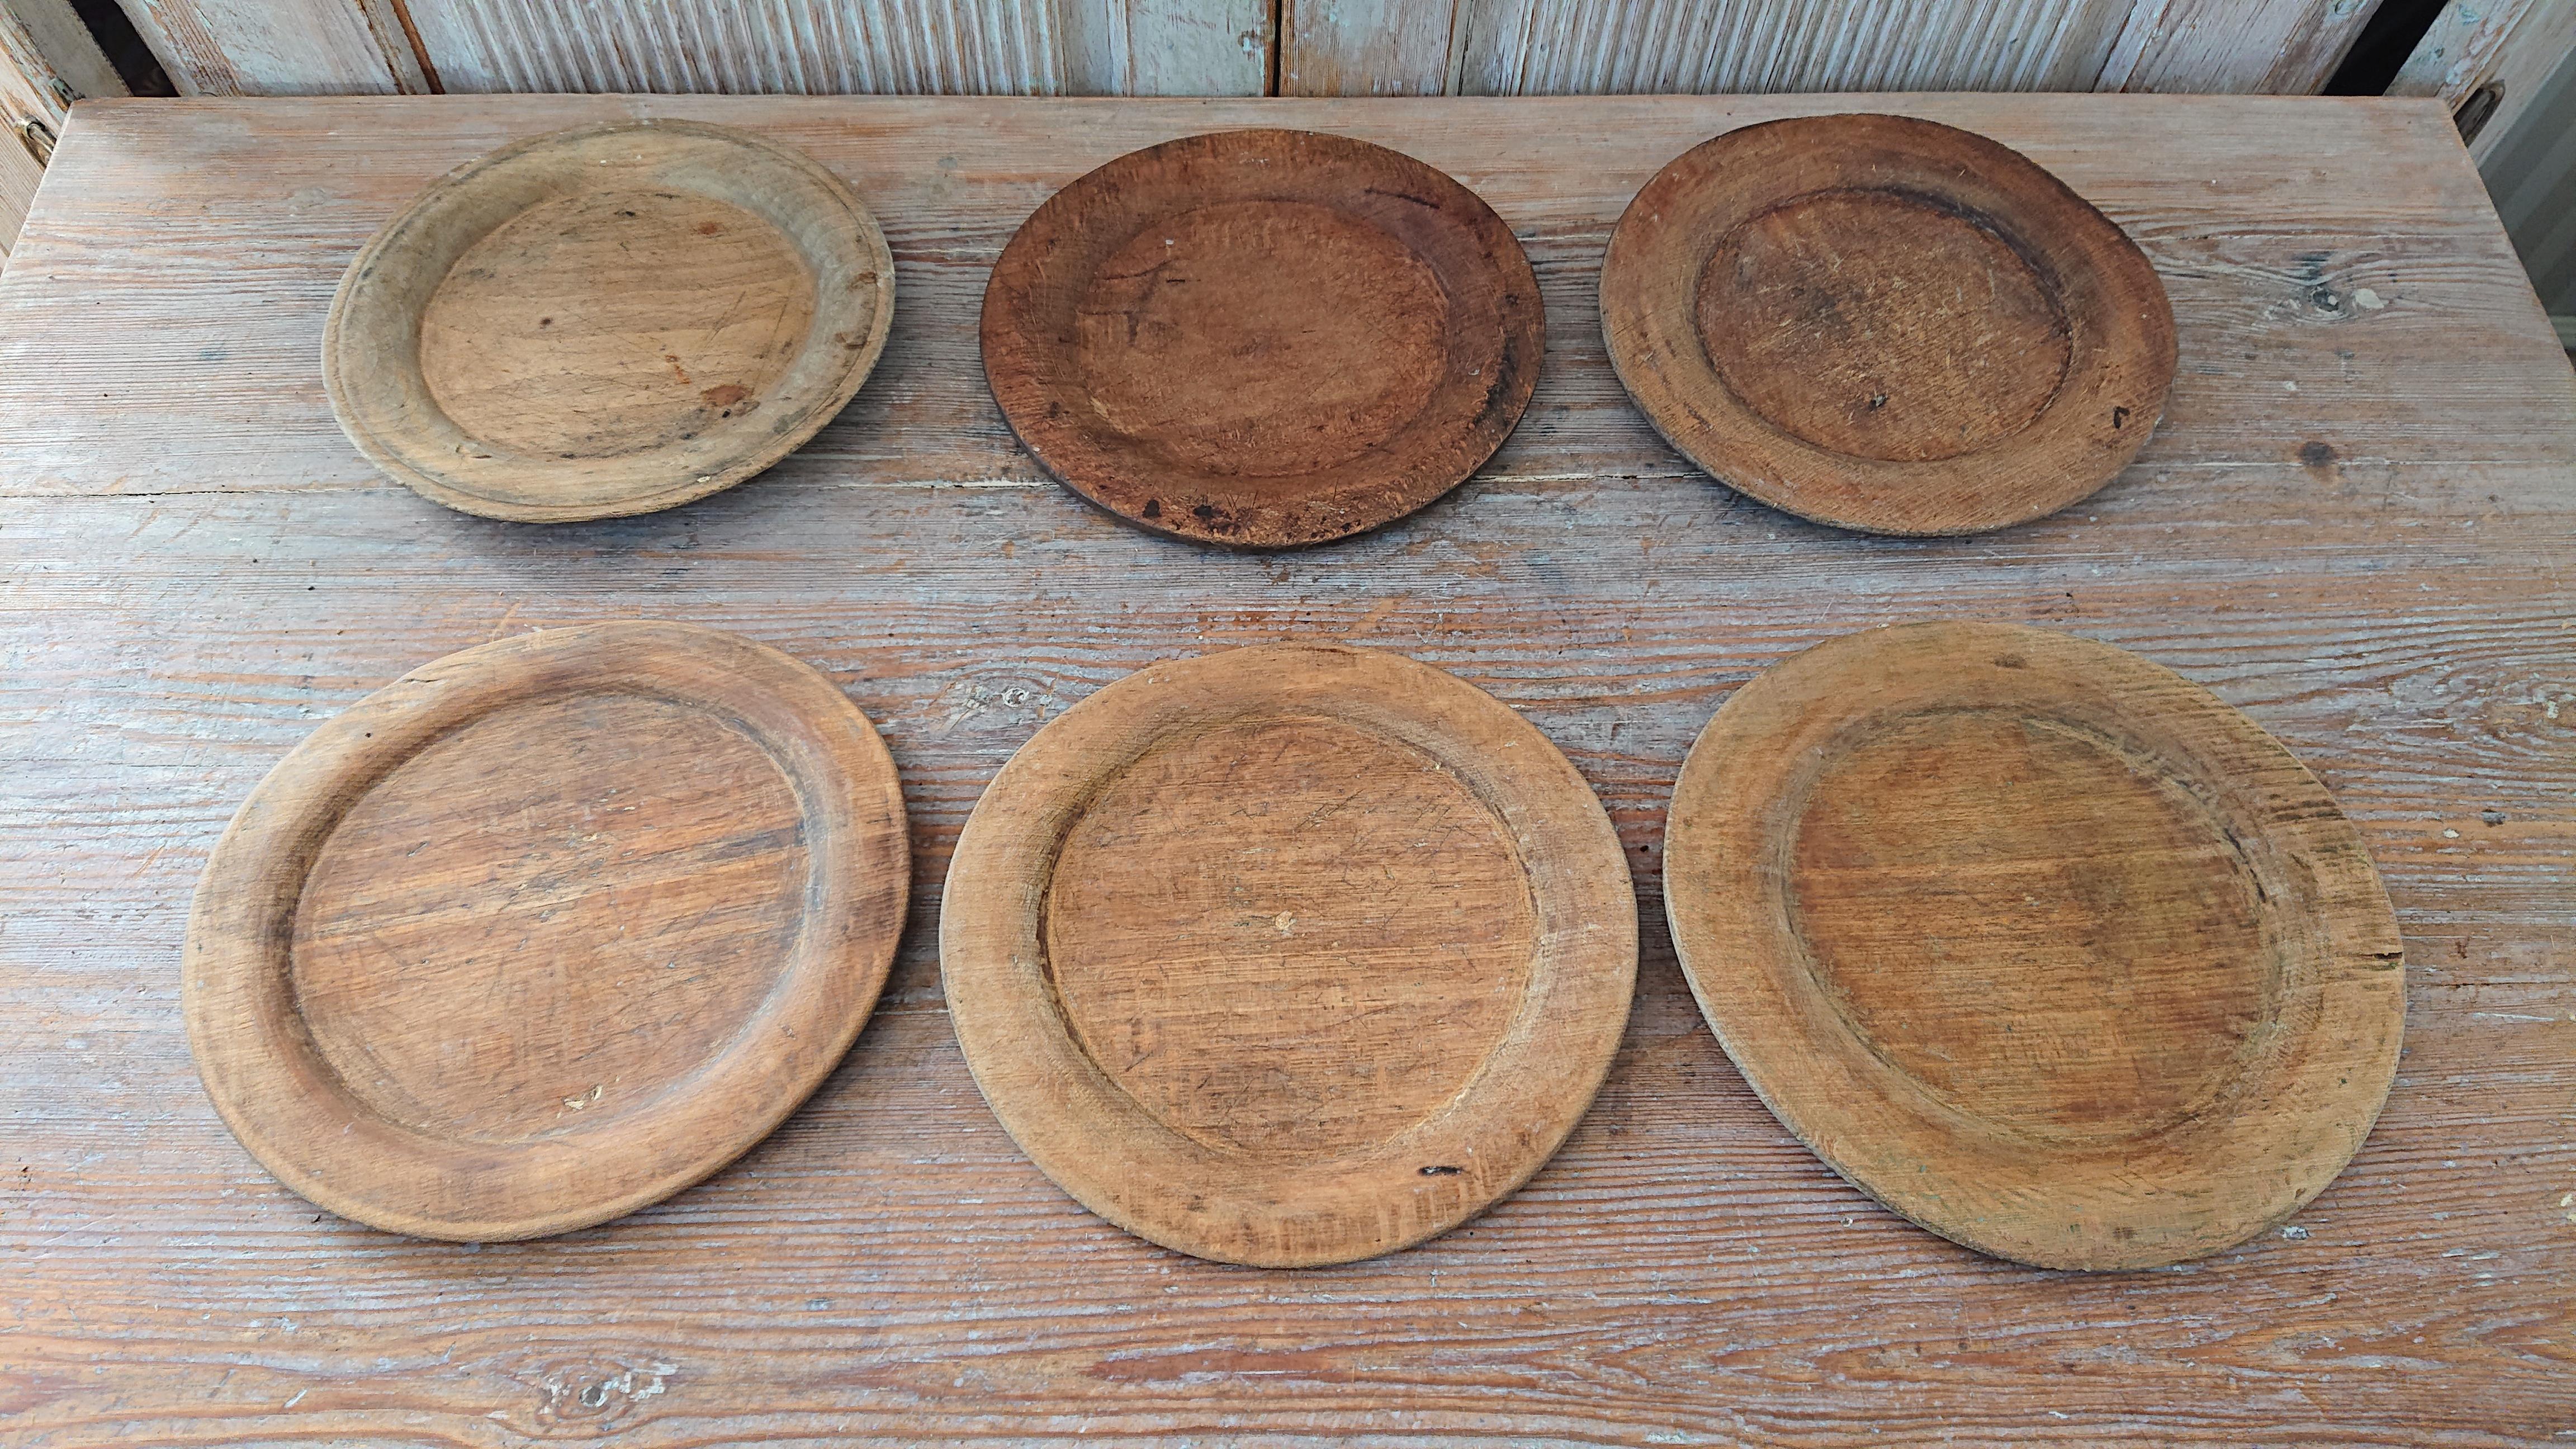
{"x":841,"y":47}
{"x":67,"y":46}
{"x":274,"y":47}
{"x":1367,"y":47}
{"x":2277,"y":47}
{"x":1571,"y":47}
{"x":2531,"y":170}
{"x":31,"y":91}
{"x":2513,"y":45}
{"x":1525,"y":47}
{"x":970,"y":47}
{"x":1195,"y":48}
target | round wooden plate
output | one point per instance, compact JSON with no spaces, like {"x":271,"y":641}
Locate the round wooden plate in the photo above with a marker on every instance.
{"x":2037,"y":943}
{"x":1886,"y":324}
{"x":607,"y":321}
{"x":1290,"y":955}
{"x":1263,"y":338}
{"x":547,"y":930}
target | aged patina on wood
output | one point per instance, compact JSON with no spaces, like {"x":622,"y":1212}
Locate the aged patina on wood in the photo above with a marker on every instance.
{"x":1263,"y":338}
{"x":548,"y":929}
{"x":1885,"y":323}
{"x":2036,"y":942}
{"x":1289,"y":956}
{"x":2375,"y":567}
{"x":607,"y":321}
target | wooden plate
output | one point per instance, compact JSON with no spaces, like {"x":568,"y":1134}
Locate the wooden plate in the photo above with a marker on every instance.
{"x":1263,"y":338}
{"x":547,"y":930}
{"x":1290,"y":955}
{"x":1886,"y":324}
{"x":607,"y":321}
{"x":2037,"y":943}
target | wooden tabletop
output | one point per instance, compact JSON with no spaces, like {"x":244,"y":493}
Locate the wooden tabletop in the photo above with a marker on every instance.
{"x":2357,"y":523}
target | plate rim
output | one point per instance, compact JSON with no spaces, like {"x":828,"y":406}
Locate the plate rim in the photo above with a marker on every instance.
{"x":1129,"y":1167}
{"x":1022,"y":400}
{"x":1734,"y":973}
{"x":277,"y":1096}
{"x":1717,"y":444}
{"x":357,"y":378}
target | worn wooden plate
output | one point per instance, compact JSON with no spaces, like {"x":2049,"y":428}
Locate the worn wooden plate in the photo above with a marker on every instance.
{"x":1289,"y":955}
{"x":2037,"y":943}
{"x":608,"y":321}
{"x":1887,"y":324}
{"x":547,"y":930}
{"x":1263,"y":338}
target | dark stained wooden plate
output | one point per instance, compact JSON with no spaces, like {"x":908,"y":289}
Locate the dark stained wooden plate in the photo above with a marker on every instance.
{"x":1289,"y":955}
{"x":1263,"y":338}
{"x":2037,"y":943}
{"x":608,"y":321}
{"x":547,"y":930}
{"x":1888,"y":324}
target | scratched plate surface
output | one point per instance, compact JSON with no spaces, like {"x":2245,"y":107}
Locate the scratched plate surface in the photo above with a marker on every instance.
{"x":2356,"y":524}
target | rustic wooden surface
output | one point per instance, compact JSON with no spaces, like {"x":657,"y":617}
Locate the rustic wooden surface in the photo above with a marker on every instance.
{"x":2038,"y":943}
{"x":547,"y":929}
{"x":1885,"y":324}
{"x":1264,"y":339}
{"x":2355,"y":525}
{"x":1291,"y":955}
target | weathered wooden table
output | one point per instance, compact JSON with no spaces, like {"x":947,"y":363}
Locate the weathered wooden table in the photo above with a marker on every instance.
{"x":2358,"y":523}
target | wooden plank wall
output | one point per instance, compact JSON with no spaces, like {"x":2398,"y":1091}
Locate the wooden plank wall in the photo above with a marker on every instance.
{"x":1223,"y":47}
{"x":1587,"y":47}
{"x":818,"y":47}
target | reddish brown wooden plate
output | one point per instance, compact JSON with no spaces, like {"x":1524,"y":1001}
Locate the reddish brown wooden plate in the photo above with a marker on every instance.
{"x":2037,"y":943}
{"x":1886,"y":324}
{"x":1289,"y":955}
{"x":607,"y":321}
{"x":1263,"y":338}
{"x":547,"y":930}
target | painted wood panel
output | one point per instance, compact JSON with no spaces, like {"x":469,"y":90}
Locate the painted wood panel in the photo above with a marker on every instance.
{"x":273,"y":47}
{"x":32,"y":94}
{"x":2512,"y":45}
{"x":819,"y":47}
{"x":1566,"y":47}
{"x":2271,"y":47}
{"x":1561,"y":47}
{"x":2354,"y":523}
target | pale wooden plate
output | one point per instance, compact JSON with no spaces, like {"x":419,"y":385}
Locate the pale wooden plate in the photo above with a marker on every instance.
{"x":1289,"y":955}
{"x":1263,"y":338}
{"x":2037,"y":943}
{"x":1887,"y":324}
{"x":547,"y":930}
{"x":608,"y":321}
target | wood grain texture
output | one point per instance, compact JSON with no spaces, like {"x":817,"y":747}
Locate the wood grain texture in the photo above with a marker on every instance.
{"x":69,"y":51}
{"x":810,"y":47}
{"x":1289,"y":956}
{"x":273,"y":47}
{"x":1604,"y":47}
{"x":2280,"y":47}
{"x":2354,"y":525}
{"x":1263,"y":339}
{"x":546,"y":930}
{"x":2513,"y":47}
{"x":33,"y":95}
{"x":1579,"y":47}
{"x":1886,"y":324}
{"x":607,"y":320}
{"x":2037,"y":943}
